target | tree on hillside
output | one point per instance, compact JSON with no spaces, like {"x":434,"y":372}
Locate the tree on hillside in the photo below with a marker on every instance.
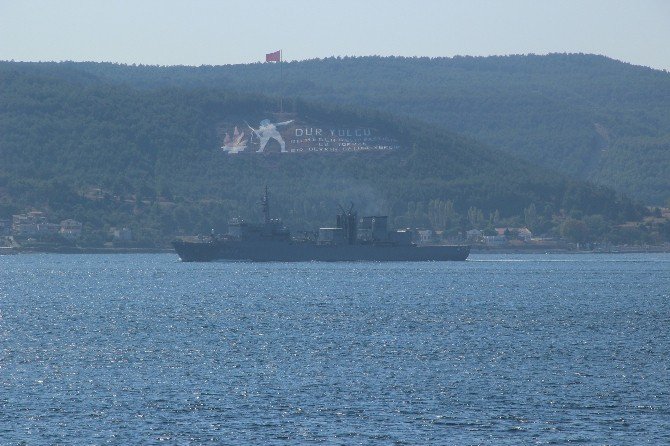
{"x":575,"y":230}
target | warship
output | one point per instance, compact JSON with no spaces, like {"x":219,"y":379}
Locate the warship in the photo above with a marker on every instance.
{"x":351,"y":239}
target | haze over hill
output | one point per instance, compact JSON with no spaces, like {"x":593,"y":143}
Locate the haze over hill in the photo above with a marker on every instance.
{"x":586,"y":116}
{"x":155,"y":158}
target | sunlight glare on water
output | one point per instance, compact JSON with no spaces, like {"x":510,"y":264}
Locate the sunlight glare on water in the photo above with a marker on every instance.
{"x":525,"y":349}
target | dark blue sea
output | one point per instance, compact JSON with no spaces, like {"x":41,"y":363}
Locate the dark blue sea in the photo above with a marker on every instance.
{"x":499,"y":350}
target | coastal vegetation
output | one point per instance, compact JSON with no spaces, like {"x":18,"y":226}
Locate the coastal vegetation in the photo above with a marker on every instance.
{"x":586,"y":116}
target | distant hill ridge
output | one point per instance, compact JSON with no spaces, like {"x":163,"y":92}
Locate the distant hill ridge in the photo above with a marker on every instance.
{"x":155,"y":154}
{"x":552,"y":110}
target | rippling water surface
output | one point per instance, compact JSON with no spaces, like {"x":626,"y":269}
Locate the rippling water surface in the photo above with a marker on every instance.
{"x":501,"y":349}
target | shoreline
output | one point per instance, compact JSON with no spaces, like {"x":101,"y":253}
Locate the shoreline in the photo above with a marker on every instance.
{"x":75,"y":250}
{"x":473,"y":250}
{"x":627,"y":250}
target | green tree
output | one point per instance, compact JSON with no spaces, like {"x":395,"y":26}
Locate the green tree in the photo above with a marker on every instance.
{"x":531,"y":217}
{"x":475,"y":217}
{"x":441,"y":214}
{"x":575,"y":230}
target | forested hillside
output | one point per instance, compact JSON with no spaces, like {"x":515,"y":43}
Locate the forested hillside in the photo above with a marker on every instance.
{"x":586,"y":116}
{"x":112,"y":155}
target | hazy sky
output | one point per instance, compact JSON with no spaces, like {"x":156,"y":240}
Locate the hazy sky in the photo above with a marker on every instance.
{"x":197,"y":32}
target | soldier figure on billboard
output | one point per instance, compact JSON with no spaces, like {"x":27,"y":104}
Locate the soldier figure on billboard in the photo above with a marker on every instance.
{"x":267,"y":131}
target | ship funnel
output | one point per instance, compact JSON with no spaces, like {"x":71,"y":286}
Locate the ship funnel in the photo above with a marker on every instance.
{"x":347,"y":220}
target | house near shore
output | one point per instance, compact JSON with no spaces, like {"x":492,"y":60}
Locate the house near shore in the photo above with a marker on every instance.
{"x":36,"y":224}
{"x":518,"y":233}
{"x":5,"y":227}
{"x":121,"y":234}
{"x":30,"y":224}
{"x":474,"y":235}
{"x":70,"y":229}
{"x":495,"y":240}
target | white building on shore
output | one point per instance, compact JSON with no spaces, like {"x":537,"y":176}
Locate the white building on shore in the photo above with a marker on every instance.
{"x":70,"y":229}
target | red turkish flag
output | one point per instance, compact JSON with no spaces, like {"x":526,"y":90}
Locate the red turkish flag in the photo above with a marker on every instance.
{"x":273,"y":57}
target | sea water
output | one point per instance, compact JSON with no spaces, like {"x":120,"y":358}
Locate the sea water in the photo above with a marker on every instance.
{"x":501,"y":349}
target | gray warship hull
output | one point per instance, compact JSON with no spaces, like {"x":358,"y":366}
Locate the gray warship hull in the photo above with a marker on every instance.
{"x":290,"y":251}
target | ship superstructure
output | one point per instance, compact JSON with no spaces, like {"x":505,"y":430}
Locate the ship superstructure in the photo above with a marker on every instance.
{"x":351,"y":239}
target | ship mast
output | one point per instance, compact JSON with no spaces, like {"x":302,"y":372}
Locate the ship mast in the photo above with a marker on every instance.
{"x":266,"y":205}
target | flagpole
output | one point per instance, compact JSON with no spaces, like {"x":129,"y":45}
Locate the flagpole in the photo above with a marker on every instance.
{"x":281,"y":82}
